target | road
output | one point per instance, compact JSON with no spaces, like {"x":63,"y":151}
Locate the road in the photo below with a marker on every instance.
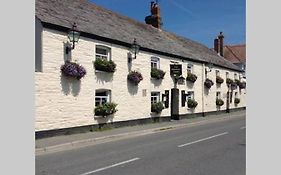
{"x":211,"y":149}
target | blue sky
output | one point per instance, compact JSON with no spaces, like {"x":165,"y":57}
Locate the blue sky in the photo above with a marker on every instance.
{"x":199,"y":20}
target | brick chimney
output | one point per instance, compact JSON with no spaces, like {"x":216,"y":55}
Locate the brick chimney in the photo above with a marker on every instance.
{"x":154,"y":19}
{"x":216,"y":45}
{"x":220,"y":38}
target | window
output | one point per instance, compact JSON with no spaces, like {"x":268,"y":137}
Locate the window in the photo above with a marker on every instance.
{"x":155,"y":62}
{"x":190,"y":68}
{"x":102,"y":52}
{"x":218,"y":95}
{"x":155,"y":97}
{"x":102,"y":96}
{"x":227,"y":74}
{"x":235,"y":76}
{"x":217,"y":73}
{"x":190,"y":95}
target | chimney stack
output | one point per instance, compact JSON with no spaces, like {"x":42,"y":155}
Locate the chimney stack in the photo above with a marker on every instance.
{"x":154,"y":19}
{"x":220,"y":38}
{"x":216,"y":45}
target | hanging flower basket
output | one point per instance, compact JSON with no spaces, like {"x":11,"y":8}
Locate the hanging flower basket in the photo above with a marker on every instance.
{"x":242,"y":85}
{"x":192,"y":103}
{"x":105,"y":65}
{"x":191,"y":77}
{"x":219,"y":102}
{"x":229,"y":81}
{"x":134,"y":77}
{"x":236,"y":100}
{"x":157,"y":107}
{"x":208,"y":83}
{"x":219,"y":80}
{"x":71,"y":69}
{"x":157,"y":73}
{"x":105,"y":109}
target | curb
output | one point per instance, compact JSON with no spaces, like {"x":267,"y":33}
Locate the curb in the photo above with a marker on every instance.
{"x":104,"y":139}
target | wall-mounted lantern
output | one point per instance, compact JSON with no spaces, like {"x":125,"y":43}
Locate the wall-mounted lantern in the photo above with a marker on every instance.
{"x":135,"y":48}
{"x":73,"y":36}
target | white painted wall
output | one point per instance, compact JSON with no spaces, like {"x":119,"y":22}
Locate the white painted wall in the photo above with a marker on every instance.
{"x":62,"y":102}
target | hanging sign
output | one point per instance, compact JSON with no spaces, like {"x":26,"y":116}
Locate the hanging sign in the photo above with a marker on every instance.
{"x":176,"y":69}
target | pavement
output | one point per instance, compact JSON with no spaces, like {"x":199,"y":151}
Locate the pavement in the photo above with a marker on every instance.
{"x":68,"y":142}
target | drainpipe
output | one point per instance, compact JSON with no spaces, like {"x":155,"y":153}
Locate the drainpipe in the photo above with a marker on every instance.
{"x":203,"y":88}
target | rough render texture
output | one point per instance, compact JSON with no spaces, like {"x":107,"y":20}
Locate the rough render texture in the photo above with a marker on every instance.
{"x":63,"y":103}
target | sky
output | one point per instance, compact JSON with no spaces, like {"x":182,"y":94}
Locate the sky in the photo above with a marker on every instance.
{"x":199,"y":20}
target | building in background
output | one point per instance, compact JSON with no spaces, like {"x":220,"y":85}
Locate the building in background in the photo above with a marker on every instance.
{"x":236,"y":54}
{"x":88,"y":59}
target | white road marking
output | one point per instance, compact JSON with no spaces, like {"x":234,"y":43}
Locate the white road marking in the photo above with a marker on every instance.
{"x":190,"y":143}
{"x":110,"y":166}
{"x":243,"y":127}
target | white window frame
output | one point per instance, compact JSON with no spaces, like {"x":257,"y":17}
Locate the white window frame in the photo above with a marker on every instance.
{"x":156,"y":96}
{"x":235,"y":76}
{"x":218,"y":95}
{"x":217,"y":73}
{"x":190,"y":95}
{"x":155,"y":61}
{"x":106,"y":56}
{"x":236,"y":95}
{"x":227,"y":75}
{"x":106,"y":97}
{"x":189,"y":67}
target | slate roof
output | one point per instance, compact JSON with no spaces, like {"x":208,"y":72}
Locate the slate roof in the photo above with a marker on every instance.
{"x":235,"y":53}
{"x":96,"y":20}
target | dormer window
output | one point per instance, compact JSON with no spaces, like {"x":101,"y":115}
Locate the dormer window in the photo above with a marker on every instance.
{"x":103,"y":52}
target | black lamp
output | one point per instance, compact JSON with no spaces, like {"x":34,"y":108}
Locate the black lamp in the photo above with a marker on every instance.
{"x":135,"y":48}
{"x":73,"y":36}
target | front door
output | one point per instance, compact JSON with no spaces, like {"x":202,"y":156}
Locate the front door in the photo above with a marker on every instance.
{"x":175,"y":103}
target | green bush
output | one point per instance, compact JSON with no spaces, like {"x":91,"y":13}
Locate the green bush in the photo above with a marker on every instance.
{"x":157,"y":107}
{"x":219,"y":80}
{"x":191,"y":103}
{"x":105,"y":65}
{"x":236,"y":100}
{"x":219,"y":102}
{"x":157,"y":73}
{"x":105,"y":109}
{"x":191,"y":77}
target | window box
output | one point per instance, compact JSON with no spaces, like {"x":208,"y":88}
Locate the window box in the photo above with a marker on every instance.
{"x":219,"y":102}
{"x":105,"y":109}
{"x":219,"y":80}
{"x":191,"y":77}
{"x":191,"y":103}
{"x":71,"y":69}
{"x":157,"y":107}
{"x":236,"y":100}
{"x":105,"y":65}
{"x":229,"y":81}
{"x":134,"y":77}
{"x":157,"y":73}
{"x":208,"y":83}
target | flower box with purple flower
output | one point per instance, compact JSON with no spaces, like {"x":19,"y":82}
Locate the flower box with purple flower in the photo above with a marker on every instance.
{"x":71,"y":69}
{"x":208,"y":83}
{"x":134,"y":77}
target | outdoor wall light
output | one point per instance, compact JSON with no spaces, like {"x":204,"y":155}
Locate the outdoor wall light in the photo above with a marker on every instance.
{"x":135,"y":48}
{"x":73,"y":36}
